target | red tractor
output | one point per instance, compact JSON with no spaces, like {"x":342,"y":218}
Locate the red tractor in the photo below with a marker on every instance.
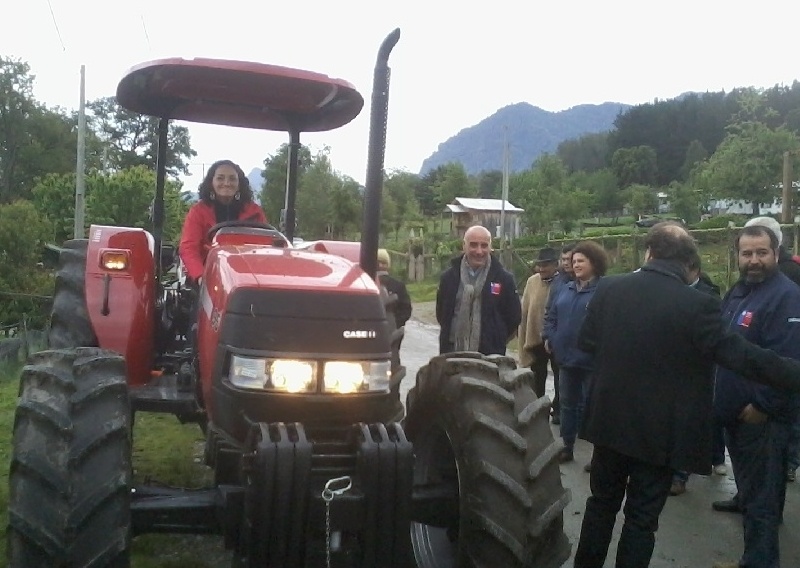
{"x":294,"y":377}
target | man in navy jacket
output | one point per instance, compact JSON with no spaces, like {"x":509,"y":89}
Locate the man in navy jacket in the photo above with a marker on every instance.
{"x":764,"y":308}
{"x":477,"y":305}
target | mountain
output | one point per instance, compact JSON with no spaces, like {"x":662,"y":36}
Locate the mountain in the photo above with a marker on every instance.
{"x":531,"y":132}
{"x":256,"y":182}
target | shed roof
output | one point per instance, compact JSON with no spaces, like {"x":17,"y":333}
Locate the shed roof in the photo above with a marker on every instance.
{"x":462,"y":204}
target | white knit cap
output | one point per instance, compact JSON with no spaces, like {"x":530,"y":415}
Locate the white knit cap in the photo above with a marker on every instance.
{"x":770,"y":223}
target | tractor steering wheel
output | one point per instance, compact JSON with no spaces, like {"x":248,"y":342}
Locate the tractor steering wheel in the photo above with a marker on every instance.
{"x":241,"y":223}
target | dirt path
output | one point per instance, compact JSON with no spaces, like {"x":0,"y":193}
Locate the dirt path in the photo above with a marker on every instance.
{"x":424,"y":312}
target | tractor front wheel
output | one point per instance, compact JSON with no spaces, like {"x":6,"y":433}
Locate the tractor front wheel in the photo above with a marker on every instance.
{"x":483,"y":446}
{"x":70,"y":474}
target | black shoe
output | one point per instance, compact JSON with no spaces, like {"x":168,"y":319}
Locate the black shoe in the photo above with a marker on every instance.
{"x":556,"y":420}
{"x":729,"y":506}
{"x":566,"y":456}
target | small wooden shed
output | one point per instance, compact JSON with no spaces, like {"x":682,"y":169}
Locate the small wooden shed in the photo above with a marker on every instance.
{"x":468,"y":211}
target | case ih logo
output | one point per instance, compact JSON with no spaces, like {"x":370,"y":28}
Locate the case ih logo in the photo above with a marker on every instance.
{"x":358,"y":334}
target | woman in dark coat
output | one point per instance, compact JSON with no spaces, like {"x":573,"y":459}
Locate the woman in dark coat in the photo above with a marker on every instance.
{"x":562,"y":322}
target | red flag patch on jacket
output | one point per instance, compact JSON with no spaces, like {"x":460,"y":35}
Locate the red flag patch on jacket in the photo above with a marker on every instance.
{"x":745,"y":318}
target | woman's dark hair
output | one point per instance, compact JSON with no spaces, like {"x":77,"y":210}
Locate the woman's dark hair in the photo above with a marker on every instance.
{"x":206,"y":189}
{"x":595,"y":253}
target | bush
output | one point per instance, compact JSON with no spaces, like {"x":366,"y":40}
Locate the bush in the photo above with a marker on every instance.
{"x":721,"y":221}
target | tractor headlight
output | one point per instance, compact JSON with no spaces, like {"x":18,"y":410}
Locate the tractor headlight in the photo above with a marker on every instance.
{"x":114,"y":259}
{"x":287,"y":375}
{"x":356,"y":376}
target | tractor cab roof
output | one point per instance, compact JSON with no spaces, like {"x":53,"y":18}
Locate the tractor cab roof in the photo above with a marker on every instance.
{"x":239,"y":93}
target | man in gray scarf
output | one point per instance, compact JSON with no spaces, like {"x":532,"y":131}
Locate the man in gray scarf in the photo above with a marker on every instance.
{"x":477,"y":305}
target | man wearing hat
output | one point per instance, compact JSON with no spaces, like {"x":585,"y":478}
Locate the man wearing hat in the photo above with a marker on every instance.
{"x":534,"y":299}
{"x":402,"y":308}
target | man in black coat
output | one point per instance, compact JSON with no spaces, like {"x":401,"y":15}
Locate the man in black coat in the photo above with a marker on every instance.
{"x":649,"y":410}
{"x":477,"y":305}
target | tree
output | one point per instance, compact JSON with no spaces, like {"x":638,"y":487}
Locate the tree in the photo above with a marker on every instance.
{"x":453,"y":182}
{"x":607,"y":199}
{"x":684,"y":201}
{"x":346,"y":206}
{"x":748,"y":163}
{"x":273,"y":194}
{"x":314,"y":209}
{"x":23,"y":232}
{"x":34,"y":140}
{"x":569,"y":206}
{"x":489,"y":184}
{"x":636,"y":165}
{"x":642,"y":199}
{"x":122,"y":198}
{"x":401,"y":187}
{"x":695,"y":154}
{"x":131,"y":139}
{"x":535,"y":190}
{"x":589,"y":153}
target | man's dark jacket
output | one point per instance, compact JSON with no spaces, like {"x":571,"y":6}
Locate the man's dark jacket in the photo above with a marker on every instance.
{"x":766,"y":314}
{"x":654,"y":339}
{"x":788,"y":266}
{"x":501,"y":310}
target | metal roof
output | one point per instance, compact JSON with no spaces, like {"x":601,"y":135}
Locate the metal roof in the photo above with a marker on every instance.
{"x":462,"y":204}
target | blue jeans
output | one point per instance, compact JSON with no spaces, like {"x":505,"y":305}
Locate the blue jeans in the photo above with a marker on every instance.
{"x":758,"y":455}
{"x":573,"y":390}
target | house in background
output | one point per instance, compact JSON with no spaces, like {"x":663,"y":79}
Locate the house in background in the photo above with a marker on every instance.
{"x":468,"y":211}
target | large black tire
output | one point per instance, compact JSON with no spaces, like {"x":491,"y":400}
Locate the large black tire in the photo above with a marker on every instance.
{"x":69,"y":319}
{"x":70,"y":475}
{"x":475,"y":421}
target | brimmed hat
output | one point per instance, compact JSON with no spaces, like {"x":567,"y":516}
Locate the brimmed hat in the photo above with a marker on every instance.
{"x":547,"y":254}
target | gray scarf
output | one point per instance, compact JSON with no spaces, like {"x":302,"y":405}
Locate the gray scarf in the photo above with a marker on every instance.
{"x":467,"y":319}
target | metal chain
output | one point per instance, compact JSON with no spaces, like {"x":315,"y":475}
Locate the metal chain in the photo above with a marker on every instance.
{"x":333,"y":487}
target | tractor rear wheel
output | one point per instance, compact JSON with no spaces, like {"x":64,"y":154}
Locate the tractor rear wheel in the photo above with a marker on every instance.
{"x":480,"y":433}
{"x":70,"y":474}
{"x":69,"y":320}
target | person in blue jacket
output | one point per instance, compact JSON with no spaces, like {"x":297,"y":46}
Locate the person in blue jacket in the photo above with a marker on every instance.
{"x":562,"y":323}
{"x":477,"y":305}
{"x":763,"y":307}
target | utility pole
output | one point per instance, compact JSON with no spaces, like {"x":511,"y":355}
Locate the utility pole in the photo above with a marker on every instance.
{"x":504,"y":193}
{"x":786,"y":209}
{"x":80,"y":173}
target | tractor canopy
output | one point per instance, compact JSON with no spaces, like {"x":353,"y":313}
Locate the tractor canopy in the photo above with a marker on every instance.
{"x":239,"y":93}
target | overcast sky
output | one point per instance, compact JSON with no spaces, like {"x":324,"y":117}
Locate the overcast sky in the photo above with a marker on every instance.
{"x":456,"y":63}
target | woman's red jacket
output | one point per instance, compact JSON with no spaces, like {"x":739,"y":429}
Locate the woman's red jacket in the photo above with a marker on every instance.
{"x":194,"y":245}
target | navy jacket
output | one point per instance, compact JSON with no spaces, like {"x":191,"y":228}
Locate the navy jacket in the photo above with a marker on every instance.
{"x":563,"y":321}
{"x":501,"y":311}
{"x":766,"y":314}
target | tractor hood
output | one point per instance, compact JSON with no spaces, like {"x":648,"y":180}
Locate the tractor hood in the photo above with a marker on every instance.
{"x":248,"y":266}
{"x":275,"y":300}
